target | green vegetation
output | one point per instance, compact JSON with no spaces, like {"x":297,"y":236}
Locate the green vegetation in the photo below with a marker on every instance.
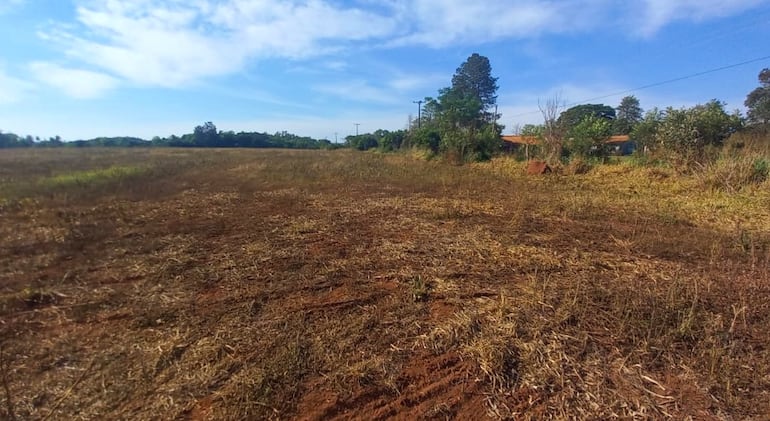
{"x":89,"y":177}
{"x":629,"y":114}
{"x":588,"y":138}
{"x":461,"y":123}
{"x":203,"y":136}
{"x":758,"y":100}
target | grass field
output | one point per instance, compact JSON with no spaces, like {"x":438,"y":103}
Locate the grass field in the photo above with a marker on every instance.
{"x":252,"y":284}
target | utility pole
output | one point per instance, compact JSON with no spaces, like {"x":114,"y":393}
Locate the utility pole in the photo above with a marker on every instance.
{"x":357,"y":124}
{"x":335,"y":137}
{"x":419,"y":111}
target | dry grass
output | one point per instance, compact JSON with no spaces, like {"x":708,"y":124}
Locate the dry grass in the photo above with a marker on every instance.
{"x":253,"y":284}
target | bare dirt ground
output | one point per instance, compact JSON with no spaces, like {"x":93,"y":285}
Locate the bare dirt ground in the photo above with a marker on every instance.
{"x":252,"y":284}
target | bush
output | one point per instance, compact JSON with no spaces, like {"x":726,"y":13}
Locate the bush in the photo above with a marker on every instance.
{"x":588,"y":137}
{"x":687,"y":132}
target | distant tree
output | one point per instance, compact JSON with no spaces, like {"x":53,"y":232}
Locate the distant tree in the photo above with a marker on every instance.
{"x":361,"y":142}
{"x":8,"y":140}
{"x":644,"y":132}
{"x":629,"y":113}
{"x":390,"y":141}
{"x":572,"y":116}
{"x":206,"y":135}
{"x":228,"y":139}
{"x":758,"y":100}
{"x":534,"y":130}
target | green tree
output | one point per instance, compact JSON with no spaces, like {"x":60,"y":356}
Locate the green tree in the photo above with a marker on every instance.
{"x":425,"y":137}
{"x":758,"y":100}
{"x":361,"y":142}
{"x":467,"y":129}
{"x":534,"y":130}
{"x":206,"y":135}
{"x":459,"y":123}
{"x":390,"y":141}
{"x":589,"y":137}
{"x":572,"y":116}
{"x":644,"y":132}
{"x":474,"y":79}
{"x":629,"y":114}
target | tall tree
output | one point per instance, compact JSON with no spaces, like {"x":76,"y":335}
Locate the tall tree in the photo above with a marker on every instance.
{"x":474,"y":78}
{"x":758,"y":100}
{"x":629,"y":114}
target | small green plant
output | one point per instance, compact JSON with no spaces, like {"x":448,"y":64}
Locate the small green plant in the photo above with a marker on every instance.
{"x":420,"y":289}
{"x":761,"y":170}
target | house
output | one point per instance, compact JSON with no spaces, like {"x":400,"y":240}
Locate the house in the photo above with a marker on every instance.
{"x":618,"y":145}
{"x":621,"y":145}
{"x":520,"y":140}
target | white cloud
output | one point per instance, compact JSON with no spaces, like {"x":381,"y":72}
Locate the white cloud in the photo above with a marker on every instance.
{"x":76,"y":83}
{"x":13,"y":89}
{"x":656,"y":14}
{"x":174,"y":43}
{"x":439,"y":23}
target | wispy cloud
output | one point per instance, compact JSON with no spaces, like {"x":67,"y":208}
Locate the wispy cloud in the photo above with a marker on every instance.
{"x":652,"y":15}
{"x":440,"y":23}
{"x":360,"y":91}
{"x":413,"y":82}
{"x":76,"y":83}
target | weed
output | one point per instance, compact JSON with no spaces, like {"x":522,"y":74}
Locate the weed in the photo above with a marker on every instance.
{"x":420,"y":289}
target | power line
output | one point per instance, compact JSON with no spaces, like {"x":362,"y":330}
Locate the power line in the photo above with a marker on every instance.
{"x":665,"y":82}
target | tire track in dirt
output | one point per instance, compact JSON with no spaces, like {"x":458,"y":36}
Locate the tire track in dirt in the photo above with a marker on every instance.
{"x":429,"y":386}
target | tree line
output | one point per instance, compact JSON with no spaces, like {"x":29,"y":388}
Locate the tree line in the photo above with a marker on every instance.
{"x":461,"y":124}
{"x":203,"y":136}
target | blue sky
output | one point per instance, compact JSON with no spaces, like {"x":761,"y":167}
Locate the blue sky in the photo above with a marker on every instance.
{"x":87,"y":68}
